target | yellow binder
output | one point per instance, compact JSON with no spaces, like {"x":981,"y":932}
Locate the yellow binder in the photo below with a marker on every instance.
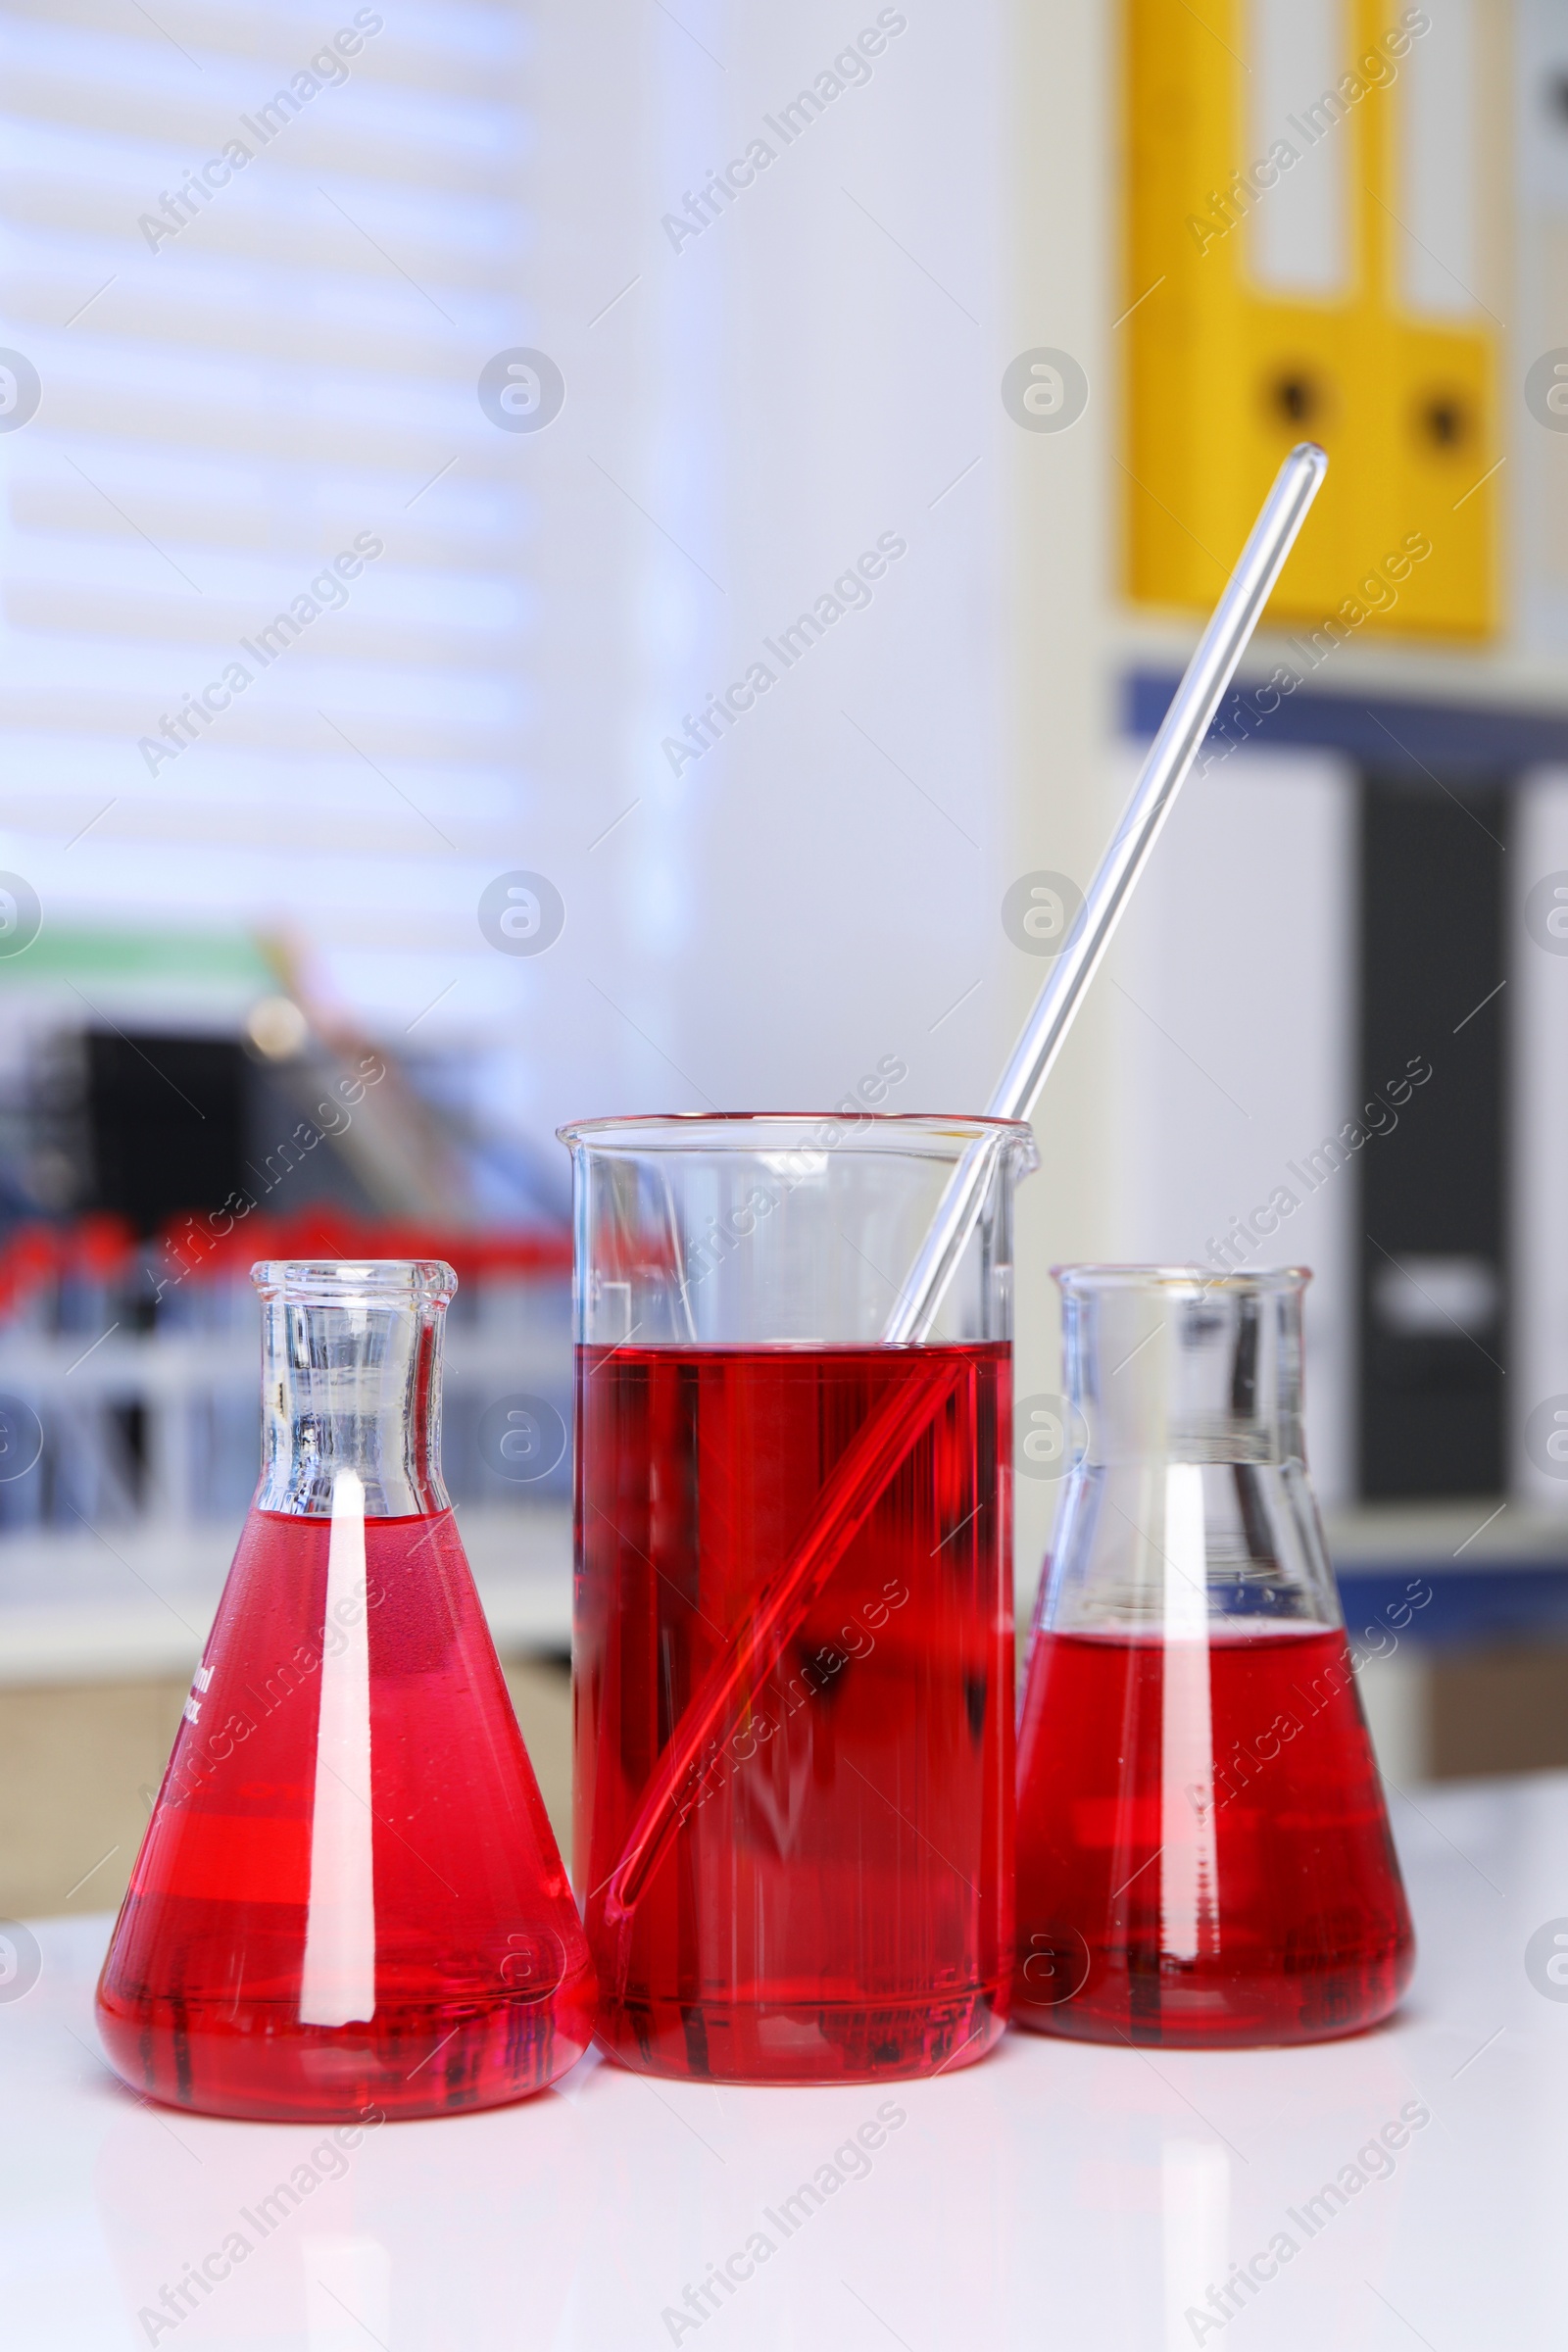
{"x":1223,"y":374}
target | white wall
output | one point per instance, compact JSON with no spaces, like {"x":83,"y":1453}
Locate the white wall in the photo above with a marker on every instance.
{"x":815,"y":369}
{"x":820,"y":885}
{"x":1064,"y":490}
{"x":819,"y":889}
{"x":1538,"y":485}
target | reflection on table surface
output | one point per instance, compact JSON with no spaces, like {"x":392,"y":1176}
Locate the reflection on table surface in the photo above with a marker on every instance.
{"x":1409,"y":2179}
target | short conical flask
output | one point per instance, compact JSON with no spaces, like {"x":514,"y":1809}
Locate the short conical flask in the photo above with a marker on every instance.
{"x":349,"y":1900}
{"x":1203,"y":1851}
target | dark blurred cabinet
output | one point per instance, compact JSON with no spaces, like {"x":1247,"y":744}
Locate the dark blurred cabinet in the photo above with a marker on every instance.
{"x":166,"y":1123}
{"x":1433,"y":1277}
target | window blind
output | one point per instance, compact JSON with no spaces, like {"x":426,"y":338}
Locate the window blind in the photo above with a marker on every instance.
{"x":264,"y":588}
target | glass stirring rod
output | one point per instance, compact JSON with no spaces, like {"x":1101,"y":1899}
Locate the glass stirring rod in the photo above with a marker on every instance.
{"x":1164,"y":771}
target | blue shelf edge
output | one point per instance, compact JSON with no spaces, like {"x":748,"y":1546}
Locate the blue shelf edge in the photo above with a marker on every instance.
{"x":1466,"y":1607}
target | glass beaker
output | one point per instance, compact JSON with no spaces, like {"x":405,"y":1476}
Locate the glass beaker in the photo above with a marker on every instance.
{"x":1203,"y":1851}
{"x":349,"y":1899}
{"x":793,"y":1617}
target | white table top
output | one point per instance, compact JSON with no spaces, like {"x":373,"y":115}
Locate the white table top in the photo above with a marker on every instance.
{"x":1059,"y":2195}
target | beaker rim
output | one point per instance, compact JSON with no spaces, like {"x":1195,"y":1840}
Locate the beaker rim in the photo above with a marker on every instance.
{"x":1197,"y":1281}
{"x":341,"y":1281}
{"x":651,"y":1131}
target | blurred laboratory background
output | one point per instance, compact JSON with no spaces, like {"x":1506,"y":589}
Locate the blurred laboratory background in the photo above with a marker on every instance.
{"x":561,"y":559}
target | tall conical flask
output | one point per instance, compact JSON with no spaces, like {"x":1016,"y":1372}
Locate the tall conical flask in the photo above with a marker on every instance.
{"x":1204,"y":1850}
{"x":349,"y":1900}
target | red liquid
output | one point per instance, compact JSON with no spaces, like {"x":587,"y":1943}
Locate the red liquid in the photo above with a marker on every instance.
{"x":1164,"y":1898}
{"x":836,"y":1904}
{"x":482,"y":1988}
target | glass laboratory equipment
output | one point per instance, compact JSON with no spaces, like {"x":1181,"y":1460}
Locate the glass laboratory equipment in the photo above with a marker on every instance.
{"x":794,"y":1636}
{"x":1203,"y":1851}
{"x":348,"y":1899}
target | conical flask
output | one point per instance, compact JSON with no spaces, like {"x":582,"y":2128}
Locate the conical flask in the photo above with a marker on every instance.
{"x":1204,"y":1852}
{"x":349,"y":1900}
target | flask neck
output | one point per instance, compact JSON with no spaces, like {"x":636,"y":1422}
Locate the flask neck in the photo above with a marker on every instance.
{"x":1190,"y":1508}
{"x":1185,"y":1370}
{"x":351,"y":1381}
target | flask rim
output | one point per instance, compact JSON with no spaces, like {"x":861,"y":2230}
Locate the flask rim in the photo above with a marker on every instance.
{"x":355,"y":1281}
{"x":857,"y":1129}
{"x":1181,"y":1281}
